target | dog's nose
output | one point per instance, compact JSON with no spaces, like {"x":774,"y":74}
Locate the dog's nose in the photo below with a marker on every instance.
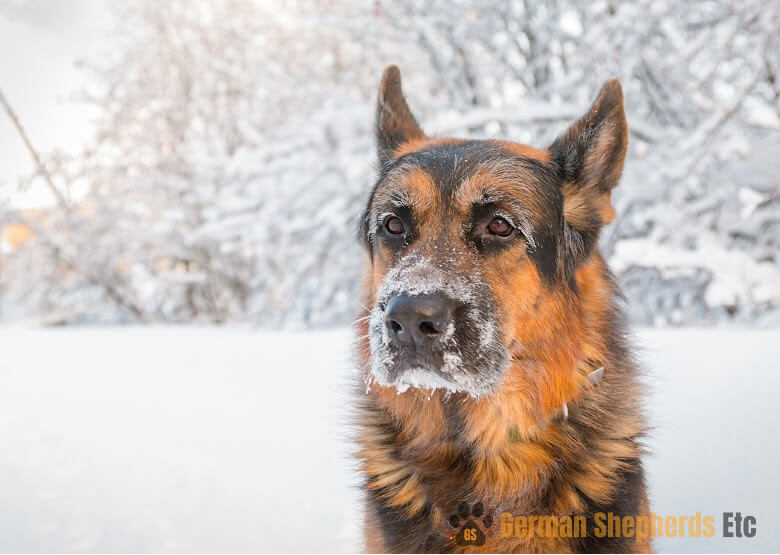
{"x":417,"y":320}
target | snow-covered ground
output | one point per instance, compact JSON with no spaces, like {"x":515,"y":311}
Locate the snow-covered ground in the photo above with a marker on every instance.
{"x":229,"y":439}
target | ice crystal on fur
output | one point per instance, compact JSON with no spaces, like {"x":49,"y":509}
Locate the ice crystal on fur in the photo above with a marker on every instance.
{"x":417,"y":275}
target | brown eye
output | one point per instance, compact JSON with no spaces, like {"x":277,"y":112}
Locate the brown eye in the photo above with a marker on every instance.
{"x":394,"y":225}
{"x":499,"y":226}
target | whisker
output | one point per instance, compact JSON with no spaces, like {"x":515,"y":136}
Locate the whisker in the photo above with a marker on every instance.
{"x":361,"y":319}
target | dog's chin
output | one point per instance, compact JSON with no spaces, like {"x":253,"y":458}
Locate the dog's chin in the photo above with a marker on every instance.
{"x":442,"y":371}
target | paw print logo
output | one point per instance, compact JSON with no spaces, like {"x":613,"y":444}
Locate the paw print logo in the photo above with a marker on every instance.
{"x":469,"y":532}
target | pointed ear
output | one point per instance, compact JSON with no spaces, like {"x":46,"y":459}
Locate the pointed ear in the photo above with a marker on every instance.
{"x":589,"y":157}
{"x":395,"y":123}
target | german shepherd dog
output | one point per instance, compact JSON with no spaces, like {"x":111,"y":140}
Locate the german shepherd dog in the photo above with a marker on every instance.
{"x":498,"y":378}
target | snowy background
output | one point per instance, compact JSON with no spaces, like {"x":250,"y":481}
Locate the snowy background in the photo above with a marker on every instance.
{"x":201,"y":166}
{"x":206,"y":161}
{"x":210,"y":439}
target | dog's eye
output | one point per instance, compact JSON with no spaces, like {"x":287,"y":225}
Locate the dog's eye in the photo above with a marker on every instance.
{"x":499,"y":226}
{"x":394,"y":225}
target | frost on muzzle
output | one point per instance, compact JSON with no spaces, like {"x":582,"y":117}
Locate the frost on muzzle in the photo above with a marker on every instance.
{"x":433,"y":328}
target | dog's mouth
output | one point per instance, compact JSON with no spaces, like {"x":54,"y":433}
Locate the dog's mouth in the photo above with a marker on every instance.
{"x":405,"y":368}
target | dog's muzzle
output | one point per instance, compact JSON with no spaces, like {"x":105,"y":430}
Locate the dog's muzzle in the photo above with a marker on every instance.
{"x":433,"y":327}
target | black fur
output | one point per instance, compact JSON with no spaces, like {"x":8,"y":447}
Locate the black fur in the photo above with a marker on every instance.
{"x":627,"y":502}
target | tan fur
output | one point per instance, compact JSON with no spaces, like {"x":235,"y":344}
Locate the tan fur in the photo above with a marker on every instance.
{"x":423,"y":143}
{"x":578,"y":204}
{"x":525,"y":150}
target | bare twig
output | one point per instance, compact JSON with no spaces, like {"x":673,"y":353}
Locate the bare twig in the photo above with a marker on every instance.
{"x":60,"y":250}
{"x":34,"y":153}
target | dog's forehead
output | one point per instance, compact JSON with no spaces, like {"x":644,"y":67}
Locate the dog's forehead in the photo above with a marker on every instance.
{"x":463,"y":173}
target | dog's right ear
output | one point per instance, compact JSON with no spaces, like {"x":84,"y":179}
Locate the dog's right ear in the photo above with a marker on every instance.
{"x":395,"y":123}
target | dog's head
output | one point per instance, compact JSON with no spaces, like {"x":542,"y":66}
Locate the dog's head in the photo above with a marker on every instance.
{"x":470,"y":241}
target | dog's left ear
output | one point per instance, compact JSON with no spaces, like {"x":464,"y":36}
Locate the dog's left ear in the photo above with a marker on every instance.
{"x":589,"y":159}
{"x":395,"y":123}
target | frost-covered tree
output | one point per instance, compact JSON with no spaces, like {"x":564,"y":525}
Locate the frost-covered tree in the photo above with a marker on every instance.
{"x":234,"y":150}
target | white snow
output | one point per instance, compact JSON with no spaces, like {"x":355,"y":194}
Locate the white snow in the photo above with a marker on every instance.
{"x":174,"y":439}
{"x":419,"y":275}
{"x":228,"y":439}
{"x":736,"y":278}
{"x":421,"y":378}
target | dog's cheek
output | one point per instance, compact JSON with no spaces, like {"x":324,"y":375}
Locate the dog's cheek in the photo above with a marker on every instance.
{"x":378,"y":272}
{"x":516,"y":286}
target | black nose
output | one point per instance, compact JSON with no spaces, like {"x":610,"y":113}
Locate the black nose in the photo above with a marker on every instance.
{"x":417,"y":320}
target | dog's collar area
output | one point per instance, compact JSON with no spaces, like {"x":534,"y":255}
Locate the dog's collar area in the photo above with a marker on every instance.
{"x":594,"y":378}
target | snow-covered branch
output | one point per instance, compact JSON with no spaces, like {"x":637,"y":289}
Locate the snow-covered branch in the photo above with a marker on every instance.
{"x":234,"y":151}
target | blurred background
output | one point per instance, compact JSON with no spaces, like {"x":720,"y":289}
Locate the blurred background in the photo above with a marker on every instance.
{"x":206,"y":161}
{"x":190,"y":162}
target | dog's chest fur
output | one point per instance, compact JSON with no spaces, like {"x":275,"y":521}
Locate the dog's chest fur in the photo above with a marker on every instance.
{"x":421,"y":461}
